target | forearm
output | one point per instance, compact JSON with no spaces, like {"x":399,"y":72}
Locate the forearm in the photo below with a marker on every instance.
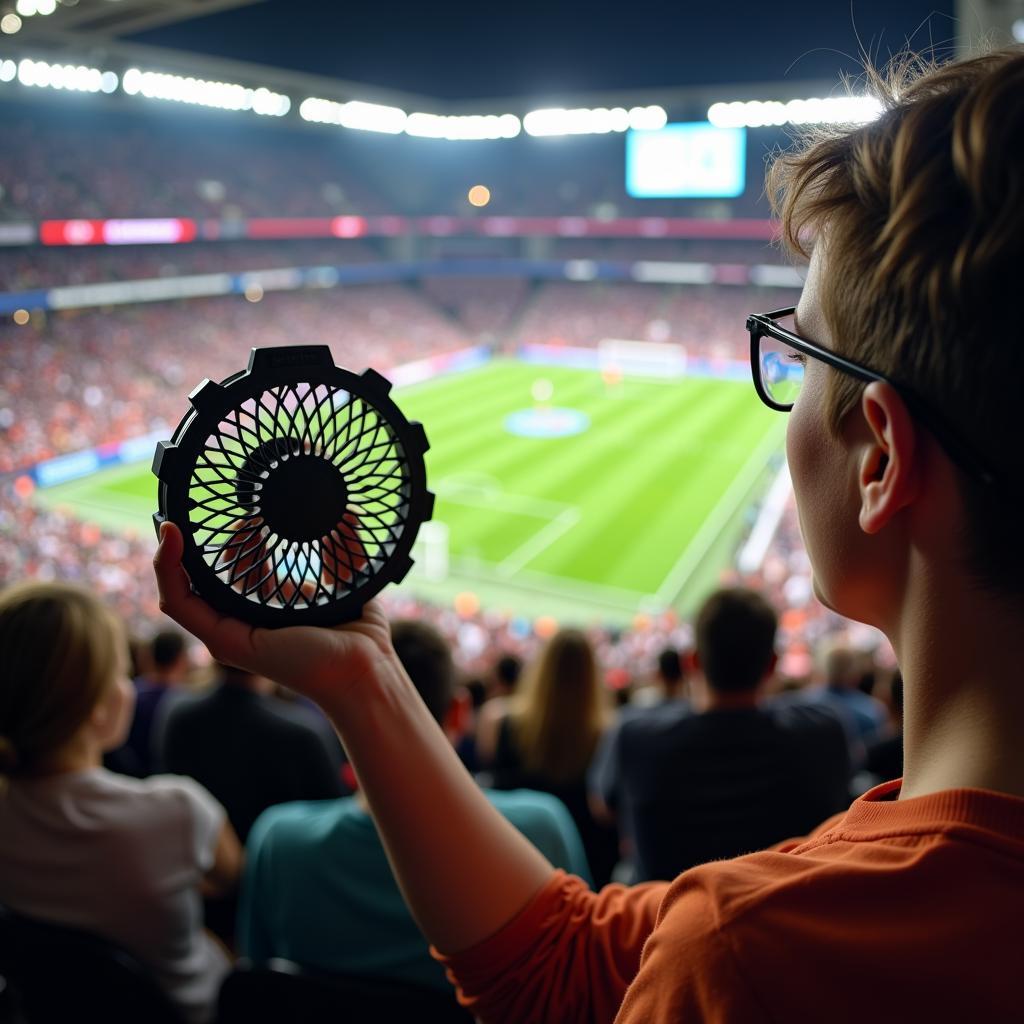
{"x":463,"y":869}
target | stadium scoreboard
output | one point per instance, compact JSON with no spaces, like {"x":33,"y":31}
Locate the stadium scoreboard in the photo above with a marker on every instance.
{"x":686,"y":160}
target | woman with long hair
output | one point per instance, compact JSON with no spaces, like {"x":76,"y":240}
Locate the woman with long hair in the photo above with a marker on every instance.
{"x":549,"y":736}
{"x":80,"y":846}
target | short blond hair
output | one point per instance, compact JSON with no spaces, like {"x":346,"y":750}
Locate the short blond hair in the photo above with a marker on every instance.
{"x":60,"y":650}
{"x":922,"y":217}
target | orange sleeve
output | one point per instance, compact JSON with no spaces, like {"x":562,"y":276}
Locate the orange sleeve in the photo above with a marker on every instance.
{"x":568,"y":956}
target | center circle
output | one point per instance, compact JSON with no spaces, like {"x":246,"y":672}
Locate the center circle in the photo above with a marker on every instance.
{"x":303,"y":498}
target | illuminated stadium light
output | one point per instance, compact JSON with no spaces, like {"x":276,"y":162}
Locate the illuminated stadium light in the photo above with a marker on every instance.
{"x":199,"y":92}
{"x":8,"y":71}
{"x":468,"y":126}
{"x":46,"y":7}
{"x":26,"y":8}
{"x":647,"y":118}
{"x":9,"y":24}
{"x":598,"y":121}
{"x":73,"y":78}
{"x":815,"y":110}
{"x":367,"y":117}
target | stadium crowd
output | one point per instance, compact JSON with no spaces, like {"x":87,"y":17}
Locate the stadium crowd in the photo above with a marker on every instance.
{"x":208,"y":165}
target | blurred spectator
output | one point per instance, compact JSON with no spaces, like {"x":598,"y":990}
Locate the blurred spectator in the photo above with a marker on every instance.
{"x":318,"y":888}
{"x":736,"y":776}
{"x":609,"y":802}
{"x":549,"y":735}
{"x":504,"y":680}
{"x":863,"y":716}
{"x":250,"y":749}
{"x":81,"y":846}
{"x":169,"y":665}
{"x":884,"y":759}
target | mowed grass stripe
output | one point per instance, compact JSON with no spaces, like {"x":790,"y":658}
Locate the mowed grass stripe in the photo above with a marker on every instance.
{"x":473,"y":424}
{"x":573,"y":471}
{"x":639,"y":516}
{"x":495,"y":452}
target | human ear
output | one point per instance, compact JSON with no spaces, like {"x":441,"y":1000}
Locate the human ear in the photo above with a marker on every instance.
{"x":887,"y":470}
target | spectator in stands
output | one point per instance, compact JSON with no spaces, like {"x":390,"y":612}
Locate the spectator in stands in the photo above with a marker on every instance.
{"x":660,"y":704}
{"x":249,"y":748}
{"x":884,"y":759}
{"x":504,"y":680}
{"x":81,"y":846}
{"x":169,"y":665}
{"x":318,"y":888}
{"x":669,"y":682}
{"x":734,"y":777}
{"x":863,"y":716}
{"x":908,"y":905}
{"x":548,"y":737}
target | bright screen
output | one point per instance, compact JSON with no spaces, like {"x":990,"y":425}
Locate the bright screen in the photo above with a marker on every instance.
{"x":686,"y":160}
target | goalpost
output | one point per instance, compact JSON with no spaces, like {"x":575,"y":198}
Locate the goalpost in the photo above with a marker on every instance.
{"x":619,"y":357}
{"x":430,"y":550}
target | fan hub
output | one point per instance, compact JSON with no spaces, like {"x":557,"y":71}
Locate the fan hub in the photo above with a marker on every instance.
{"x":302,"y":498}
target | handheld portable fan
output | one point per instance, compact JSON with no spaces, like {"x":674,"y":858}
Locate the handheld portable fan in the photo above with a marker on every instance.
{"x":299,"y":488}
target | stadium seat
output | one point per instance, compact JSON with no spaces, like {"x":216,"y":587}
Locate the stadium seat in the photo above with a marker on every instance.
{"x":282,"y":990}
{"x":52,"y":974}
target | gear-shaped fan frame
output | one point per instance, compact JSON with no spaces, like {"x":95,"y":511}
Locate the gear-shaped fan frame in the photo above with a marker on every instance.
{"x":299,"y":488}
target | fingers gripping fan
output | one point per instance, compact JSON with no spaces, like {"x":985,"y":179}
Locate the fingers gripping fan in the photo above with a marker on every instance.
{"x":298,"y":486}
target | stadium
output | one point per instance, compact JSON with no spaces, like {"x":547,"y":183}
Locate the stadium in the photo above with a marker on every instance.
{"x":552,"y":270}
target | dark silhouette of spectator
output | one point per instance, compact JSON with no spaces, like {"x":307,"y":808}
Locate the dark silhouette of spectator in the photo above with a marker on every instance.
{"x":547,"y":738}
{"x":168,"y":667}
{"x":318,"y":888}
{"x":884,"y":760}
{"x":863,"y":717}
{"x":737,"y":776}
{"x":664,"y":701}
{"x":504,"y":680}
{"x":248,"y":748}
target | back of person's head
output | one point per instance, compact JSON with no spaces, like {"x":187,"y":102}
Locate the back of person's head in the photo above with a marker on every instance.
{"x":168,"y":648}
{"x":560,"y":711}
{"x":735,"y":639}
{"x":507,"y":670}
{"x":841,"y":666}
{"x":921,"y":214}
{"x":427,"y":658}
{"x":60,"y":651}
{"x":670,"y":667}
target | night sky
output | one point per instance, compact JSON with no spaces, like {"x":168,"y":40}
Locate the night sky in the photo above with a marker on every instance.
{"x":465,"y":51}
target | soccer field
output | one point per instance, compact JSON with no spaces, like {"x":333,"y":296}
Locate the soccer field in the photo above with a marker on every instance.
{"x":637,"y":505}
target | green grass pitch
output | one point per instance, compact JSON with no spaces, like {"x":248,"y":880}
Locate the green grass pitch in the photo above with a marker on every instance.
{"x":639,"y":511}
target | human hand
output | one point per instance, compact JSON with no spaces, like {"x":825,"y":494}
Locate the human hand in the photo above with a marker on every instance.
{"x":324,"y":664}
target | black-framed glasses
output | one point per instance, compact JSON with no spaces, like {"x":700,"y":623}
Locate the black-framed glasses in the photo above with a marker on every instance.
{"x":778,"y":358}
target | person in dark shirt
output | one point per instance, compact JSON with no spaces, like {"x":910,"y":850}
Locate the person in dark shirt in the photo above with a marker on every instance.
{"x":738,"y":775}
{"x":169,"y":666}
{"x":248,"y":748}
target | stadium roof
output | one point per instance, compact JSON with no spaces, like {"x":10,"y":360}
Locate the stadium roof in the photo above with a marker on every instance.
{"x":467,"y":51}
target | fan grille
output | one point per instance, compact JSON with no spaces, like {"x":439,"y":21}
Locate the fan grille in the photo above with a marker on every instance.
{"x":299,"y":496}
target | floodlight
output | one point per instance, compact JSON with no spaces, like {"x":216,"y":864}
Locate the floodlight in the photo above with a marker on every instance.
{"x":298,"y":486}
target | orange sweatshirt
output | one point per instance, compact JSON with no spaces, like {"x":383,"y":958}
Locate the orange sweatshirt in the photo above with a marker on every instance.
{"x":897,"y":910}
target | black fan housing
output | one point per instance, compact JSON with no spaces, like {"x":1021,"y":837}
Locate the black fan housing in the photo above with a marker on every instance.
{"x":299,"y":488}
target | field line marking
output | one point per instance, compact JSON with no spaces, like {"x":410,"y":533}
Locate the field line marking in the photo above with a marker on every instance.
{"x":543,"y":538}
{"x":715,"y":521}
{"x":486,"y":493}
{"x":566,"y":587}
